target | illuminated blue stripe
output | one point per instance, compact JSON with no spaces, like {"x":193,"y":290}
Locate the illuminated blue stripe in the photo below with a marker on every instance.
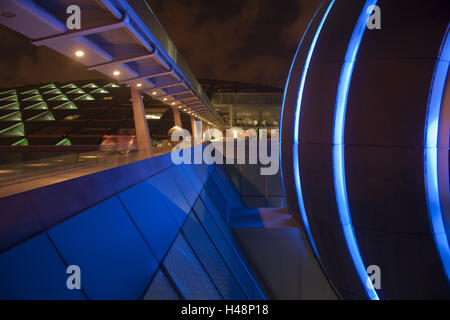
{"x":431,"y":153}
{"x":338,"y":149}
{"x":305,"y":73}
{"x":285,"y":91}
{"x":298,"y":186}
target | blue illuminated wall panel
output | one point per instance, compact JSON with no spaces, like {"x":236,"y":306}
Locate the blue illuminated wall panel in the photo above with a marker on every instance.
{"x":114,"y":259}
{"x":185,"y":183}
{"x":221,"y":236}
{"x":217,"y":197}
{"x":120,"y":242}
{"x":151,"y":213}
{"x":173,"y":195}
{"x":211,"y":259}
{"x":188,"y":274}
{"x":33,"y":270}
{"x":161,"y":289}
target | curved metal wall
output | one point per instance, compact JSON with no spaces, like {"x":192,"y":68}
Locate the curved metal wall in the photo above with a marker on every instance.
{"x":365,"y":145}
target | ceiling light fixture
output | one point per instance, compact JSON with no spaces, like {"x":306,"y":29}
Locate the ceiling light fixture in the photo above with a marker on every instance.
{"x":79,"y":53}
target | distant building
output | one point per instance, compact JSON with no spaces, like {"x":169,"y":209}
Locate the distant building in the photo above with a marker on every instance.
{"x":244,"y":105}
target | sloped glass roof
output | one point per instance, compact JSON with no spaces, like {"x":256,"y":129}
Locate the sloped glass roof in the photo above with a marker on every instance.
{"x":13,"y":116}
{"x":61,"y":97}
{"x":9,"y":98}
{"x":64,"y":142}
{"x":11,"y":106}
{"x":21,"y":142}
{"x":77,"y":90}
{"x":33,"y":91}
{"x":44,"y":116}
{"x":111,"y":85}
{"x":100,"y":90}
{"x":85,"y":97}
{"x":12,"y":91}
{"x":37,"y":97}
{"x":17,"y":129}
{"x":90,"y":85}
{"x":53,"y":91}
{"x":37,"y":106}
{"x":66,"y":105}
{"x":48,"y":86}
{"x":69,"y":86}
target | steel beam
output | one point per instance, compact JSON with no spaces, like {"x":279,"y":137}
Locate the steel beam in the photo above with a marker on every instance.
{"x":153,"y":75}
{"x":119,"y":61}
{"x":174,"y":94}
{"x":75,"y":34}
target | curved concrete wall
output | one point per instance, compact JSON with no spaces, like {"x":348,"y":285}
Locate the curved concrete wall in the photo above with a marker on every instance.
{"x":358,"y":165}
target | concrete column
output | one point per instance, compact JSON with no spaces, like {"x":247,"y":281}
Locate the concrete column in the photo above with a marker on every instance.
{"x":196,"y":131}
{"x":140,"y":123}
{"x":177,"y":118}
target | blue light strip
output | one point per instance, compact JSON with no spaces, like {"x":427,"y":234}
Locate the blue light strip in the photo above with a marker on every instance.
{"x":298,"y":186}
{"x":338,"y":149}
{"x":431,"y":153}
{"x":285,"y":91}
{"x":305,"y":73}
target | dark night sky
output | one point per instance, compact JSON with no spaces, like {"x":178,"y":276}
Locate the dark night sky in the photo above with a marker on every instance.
{"x":249,"y":41}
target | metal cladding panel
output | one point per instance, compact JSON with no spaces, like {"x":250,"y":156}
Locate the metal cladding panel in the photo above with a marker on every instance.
{"x":118,"y":241}
{"x":336,"y":259}
{"x":34,"y":270}
{"x":410,"y":267}
{"x":36,"y":210}
{"x":316,"y":168}
{"x":410,"y":29}
{"x":221,"y":236}
{"x":206,"y":205}
{"x":149,"y":210}
{"x":217,"y":197}
{"x":161,"y":289}
{"x":288,"y":177}
{"x":444,"y":121}
{"x":114,"y":259}
{"x":18,"y":221}
{"x":293,"y":82}
{"x":225,"y":183}
{"x":211,"y":259}
{"x":336,"y":33}
{"x":175,"y":199}
{"x":387,"y":103}
{"x":394,"y":199}
{"x":394,"y":233}
{"x":188,"y":274}
{"x":444,"y":186}
{"x":186,"y":182}
{"x":319,"y":98}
